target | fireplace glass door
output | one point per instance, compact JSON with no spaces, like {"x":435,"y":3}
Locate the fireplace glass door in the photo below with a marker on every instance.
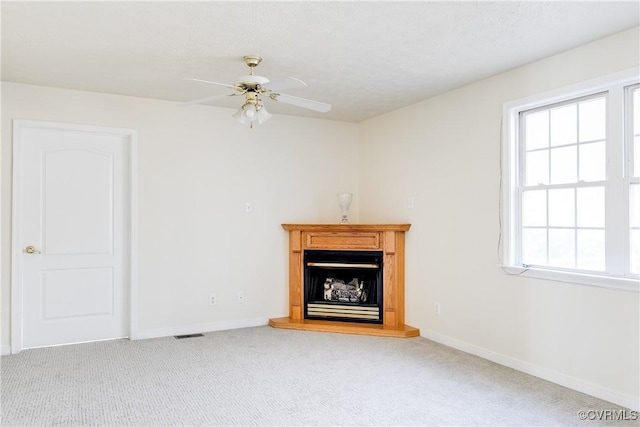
{"x":343,"y":285}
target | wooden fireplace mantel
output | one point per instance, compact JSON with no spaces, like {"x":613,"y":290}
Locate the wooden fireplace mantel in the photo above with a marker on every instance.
{"x":388,"y":238}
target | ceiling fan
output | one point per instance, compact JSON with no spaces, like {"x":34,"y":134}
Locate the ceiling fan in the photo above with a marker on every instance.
{"x":254,"y":88}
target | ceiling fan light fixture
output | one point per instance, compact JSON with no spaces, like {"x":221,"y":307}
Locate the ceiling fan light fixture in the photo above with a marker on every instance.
{"x":252,"y":112}
{"x":262,"y":115}
{"x":240,"y":116}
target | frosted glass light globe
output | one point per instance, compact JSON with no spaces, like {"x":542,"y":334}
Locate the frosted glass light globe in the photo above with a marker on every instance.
{"x":250,"y":111}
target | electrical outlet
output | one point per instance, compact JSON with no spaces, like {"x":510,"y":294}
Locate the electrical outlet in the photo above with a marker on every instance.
{"x":240,"y":297}
{"x":213,"y":299}
{"x":437,"y":308}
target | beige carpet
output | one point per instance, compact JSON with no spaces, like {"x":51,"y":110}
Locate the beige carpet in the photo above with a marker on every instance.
{"x":265,"y":376}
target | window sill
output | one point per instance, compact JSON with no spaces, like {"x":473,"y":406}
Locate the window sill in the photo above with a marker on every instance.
{"x":625,"y":284}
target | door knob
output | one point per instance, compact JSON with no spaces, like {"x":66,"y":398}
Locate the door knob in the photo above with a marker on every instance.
{"x":31,"y":250}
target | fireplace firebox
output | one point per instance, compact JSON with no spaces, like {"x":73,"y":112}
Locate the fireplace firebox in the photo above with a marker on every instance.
{"x":343,"y":285}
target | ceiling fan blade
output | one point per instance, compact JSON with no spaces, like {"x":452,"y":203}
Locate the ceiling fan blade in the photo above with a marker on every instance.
{"x":284,"y":84}
{"x":215,"y":83}
{"x":211,"y":98}
{"x":301,"y":102}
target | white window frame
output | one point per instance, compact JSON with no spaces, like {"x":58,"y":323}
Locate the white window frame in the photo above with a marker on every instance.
{"x":510,"y":206}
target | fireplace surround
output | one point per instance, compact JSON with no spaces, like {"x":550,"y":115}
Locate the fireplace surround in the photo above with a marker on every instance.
{"x":361,"y":243}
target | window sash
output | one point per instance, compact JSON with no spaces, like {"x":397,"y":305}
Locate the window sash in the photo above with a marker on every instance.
{"x":576,"y":226}
{"x":631,"y":175}
{"x":631,"y":134}
{"x":550,"y":148}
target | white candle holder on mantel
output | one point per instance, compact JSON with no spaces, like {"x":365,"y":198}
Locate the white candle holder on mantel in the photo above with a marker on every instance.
{"x":344,"y":200}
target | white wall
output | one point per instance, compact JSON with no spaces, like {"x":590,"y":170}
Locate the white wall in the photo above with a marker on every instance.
{"x":197,"y":168}
{"x":445,"y":152}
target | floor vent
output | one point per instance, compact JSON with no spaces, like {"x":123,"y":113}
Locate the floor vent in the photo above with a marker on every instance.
{"x":179,"y":337}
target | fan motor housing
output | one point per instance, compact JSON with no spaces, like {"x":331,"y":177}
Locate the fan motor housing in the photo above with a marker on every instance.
{"x":252,"y":60}
{"x":251,"y":82}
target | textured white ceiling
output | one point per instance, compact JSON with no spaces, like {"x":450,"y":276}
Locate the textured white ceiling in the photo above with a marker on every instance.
{"x":365,"y":58}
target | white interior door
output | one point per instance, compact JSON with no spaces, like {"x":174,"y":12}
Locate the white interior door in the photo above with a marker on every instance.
{"x":71,"y":240}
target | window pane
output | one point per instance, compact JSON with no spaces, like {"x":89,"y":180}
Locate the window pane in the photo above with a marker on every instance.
{"x":591,"y":250}
{"x":634,"y":232}
{"x":634,"y":205}
{"x":635,"y":251}
{"x":635,"y":169}
{"x":636,"y":156}
{"x":564,"y":125}
{"x":537,"y":167}
{"x":537,"y":130}
{"x":636,"y":111}
{"x":564,"y":166}
{"x":562,"y":208}
{"x":591,"y":207}
{"x":593,"y":162}
{"x":593,"y":119}
{"x":534,"y":208}
{"x":534,"y":246}
{"x":562,"y":248}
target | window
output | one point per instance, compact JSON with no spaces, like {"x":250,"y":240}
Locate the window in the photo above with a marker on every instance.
{"x":571,"y":184}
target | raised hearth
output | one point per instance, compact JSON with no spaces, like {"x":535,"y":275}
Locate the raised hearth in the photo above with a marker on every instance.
{"x":384,"y":241}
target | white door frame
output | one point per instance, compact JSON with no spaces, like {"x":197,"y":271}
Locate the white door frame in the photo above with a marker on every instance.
{"x":131,"y":232}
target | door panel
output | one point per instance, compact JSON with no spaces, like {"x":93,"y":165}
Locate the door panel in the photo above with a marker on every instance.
{"x":77,"y":293}
{"x":78,"y":202}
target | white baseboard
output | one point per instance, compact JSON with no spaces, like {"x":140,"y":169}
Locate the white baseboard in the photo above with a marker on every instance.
{"x":201,"y":328}
{"x":600,"y":392}
{"x":5,"y":350}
